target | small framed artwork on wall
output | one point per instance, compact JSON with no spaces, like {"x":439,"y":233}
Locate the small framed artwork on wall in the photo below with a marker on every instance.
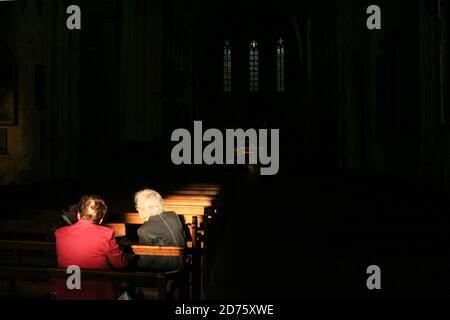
{"x":3,"y":141}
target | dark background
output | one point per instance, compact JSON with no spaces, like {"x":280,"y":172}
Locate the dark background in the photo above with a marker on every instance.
{"x":364,"y":128}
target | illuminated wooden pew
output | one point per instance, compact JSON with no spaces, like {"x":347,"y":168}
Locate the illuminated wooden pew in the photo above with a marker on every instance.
{"x":187,"y":214}
{"x":189,"y":197}
{"x":185,"y":206}
{"x":211,"y":193}
{"x":120,"y":231}
{"x":202,"y":187}
{"x":133,"y":218}
{"x":19,"y":247}
{"x":196,"y":244}
{"x":197,"y":201}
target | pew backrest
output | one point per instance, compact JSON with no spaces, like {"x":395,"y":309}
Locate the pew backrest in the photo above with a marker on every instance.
{"x":170,"y":251}
{"x":186,"y":212}
{"x":28,"y":227}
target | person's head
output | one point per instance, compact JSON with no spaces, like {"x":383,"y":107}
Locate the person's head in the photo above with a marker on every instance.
{"x":92,"y":208}
{"x":148,"y":203}
{"x":72,"y":213}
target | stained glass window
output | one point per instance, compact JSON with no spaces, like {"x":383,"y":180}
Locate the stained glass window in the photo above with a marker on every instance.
{"x":280,"y":66}
{"x":254,"y":67}
{"x":227,"y":66}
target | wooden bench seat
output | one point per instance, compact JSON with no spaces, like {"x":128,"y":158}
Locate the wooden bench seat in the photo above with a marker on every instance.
{"x":38,"y":279}
{"x":43,"y":278}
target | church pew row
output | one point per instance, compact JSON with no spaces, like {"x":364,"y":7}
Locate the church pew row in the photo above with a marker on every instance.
{"x":25,"y":227}
{"x":39,"y":231}
{"x":185,"y":206}
{"x":120,"y":231}
{"x":37,"y":282}
{"x":210,"y":193}
{"x":193,"y":201}
{"x":210,"y":190}
{"x":196,"y":186}
{"x":214,"y":216}
{"x":186,"y":213}
{"x":16,"y":277}
{"x":19,"y":246}
{"x":193,"y":197}
{"x":198,"y":248}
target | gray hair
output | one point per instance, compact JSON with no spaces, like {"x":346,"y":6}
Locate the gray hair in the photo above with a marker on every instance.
{"x":148,"y":203}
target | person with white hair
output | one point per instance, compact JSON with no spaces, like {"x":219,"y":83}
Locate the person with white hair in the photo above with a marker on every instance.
{"x":159,"y":229}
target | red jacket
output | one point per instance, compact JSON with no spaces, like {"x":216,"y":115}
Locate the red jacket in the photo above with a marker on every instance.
{"x":89,"y":246}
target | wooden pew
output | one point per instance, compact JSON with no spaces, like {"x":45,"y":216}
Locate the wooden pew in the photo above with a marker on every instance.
{"x":38,"y":275}
{"x":17,"y":246}
{"x":120,"y":229}
{"x":197,"y":248}
{"x":202,"y":187}
{"x":43,"y":278}
{"x":24,"y":227}
{"x":211,"y":193}
{"x":195,"y":202}
{"x":187,"y":212}
{"x":190,"y":197}
{"x":188,"y":201}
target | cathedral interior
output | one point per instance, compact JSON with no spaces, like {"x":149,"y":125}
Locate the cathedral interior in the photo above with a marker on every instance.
{"x":363,"y":118}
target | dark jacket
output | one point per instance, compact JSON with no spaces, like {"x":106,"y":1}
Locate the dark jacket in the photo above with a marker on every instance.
{"x":164,"y":229}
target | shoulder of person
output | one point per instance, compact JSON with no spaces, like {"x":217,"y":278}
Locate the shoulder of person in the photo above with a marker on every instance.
{"x":62,"y":230}
{"x":170,"y":214}
{"x":144,"y":226}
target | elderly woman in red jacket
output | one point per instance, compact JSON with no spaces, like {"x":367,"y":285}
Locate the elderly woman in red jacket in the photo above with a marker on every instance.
{"x":88,"y":245}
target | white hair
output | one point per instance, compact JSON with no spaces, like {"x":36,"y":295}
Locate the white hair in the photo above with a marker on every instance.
{"x":148,"y":203}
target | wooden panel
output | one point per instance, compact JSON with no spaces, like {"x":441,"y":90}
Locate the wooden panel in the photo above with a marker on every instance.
{"x":33,"y":289}
{"x":119,"y":229}
{"x":188,"y":202}
{"x":190,"y":197}
{"x":50,"y":246}
{"x":157,"y":251}
{"x":196,"y":192}
{"x":37,"y":282}
{"x":186,"y":212}
{"x":25,"y":227}
{"x":200,"y":188}
{"x":132,"y":218}
{"x":209,"y":186}
{"x":27,"y":245}
{"x":140,"y":278}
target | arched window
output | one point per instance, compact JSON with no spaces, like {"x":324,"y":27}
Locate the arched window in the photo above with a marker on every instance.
{"x":254,"y":67}
{"x":280,"y":66}
{"x":227,"y":66}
